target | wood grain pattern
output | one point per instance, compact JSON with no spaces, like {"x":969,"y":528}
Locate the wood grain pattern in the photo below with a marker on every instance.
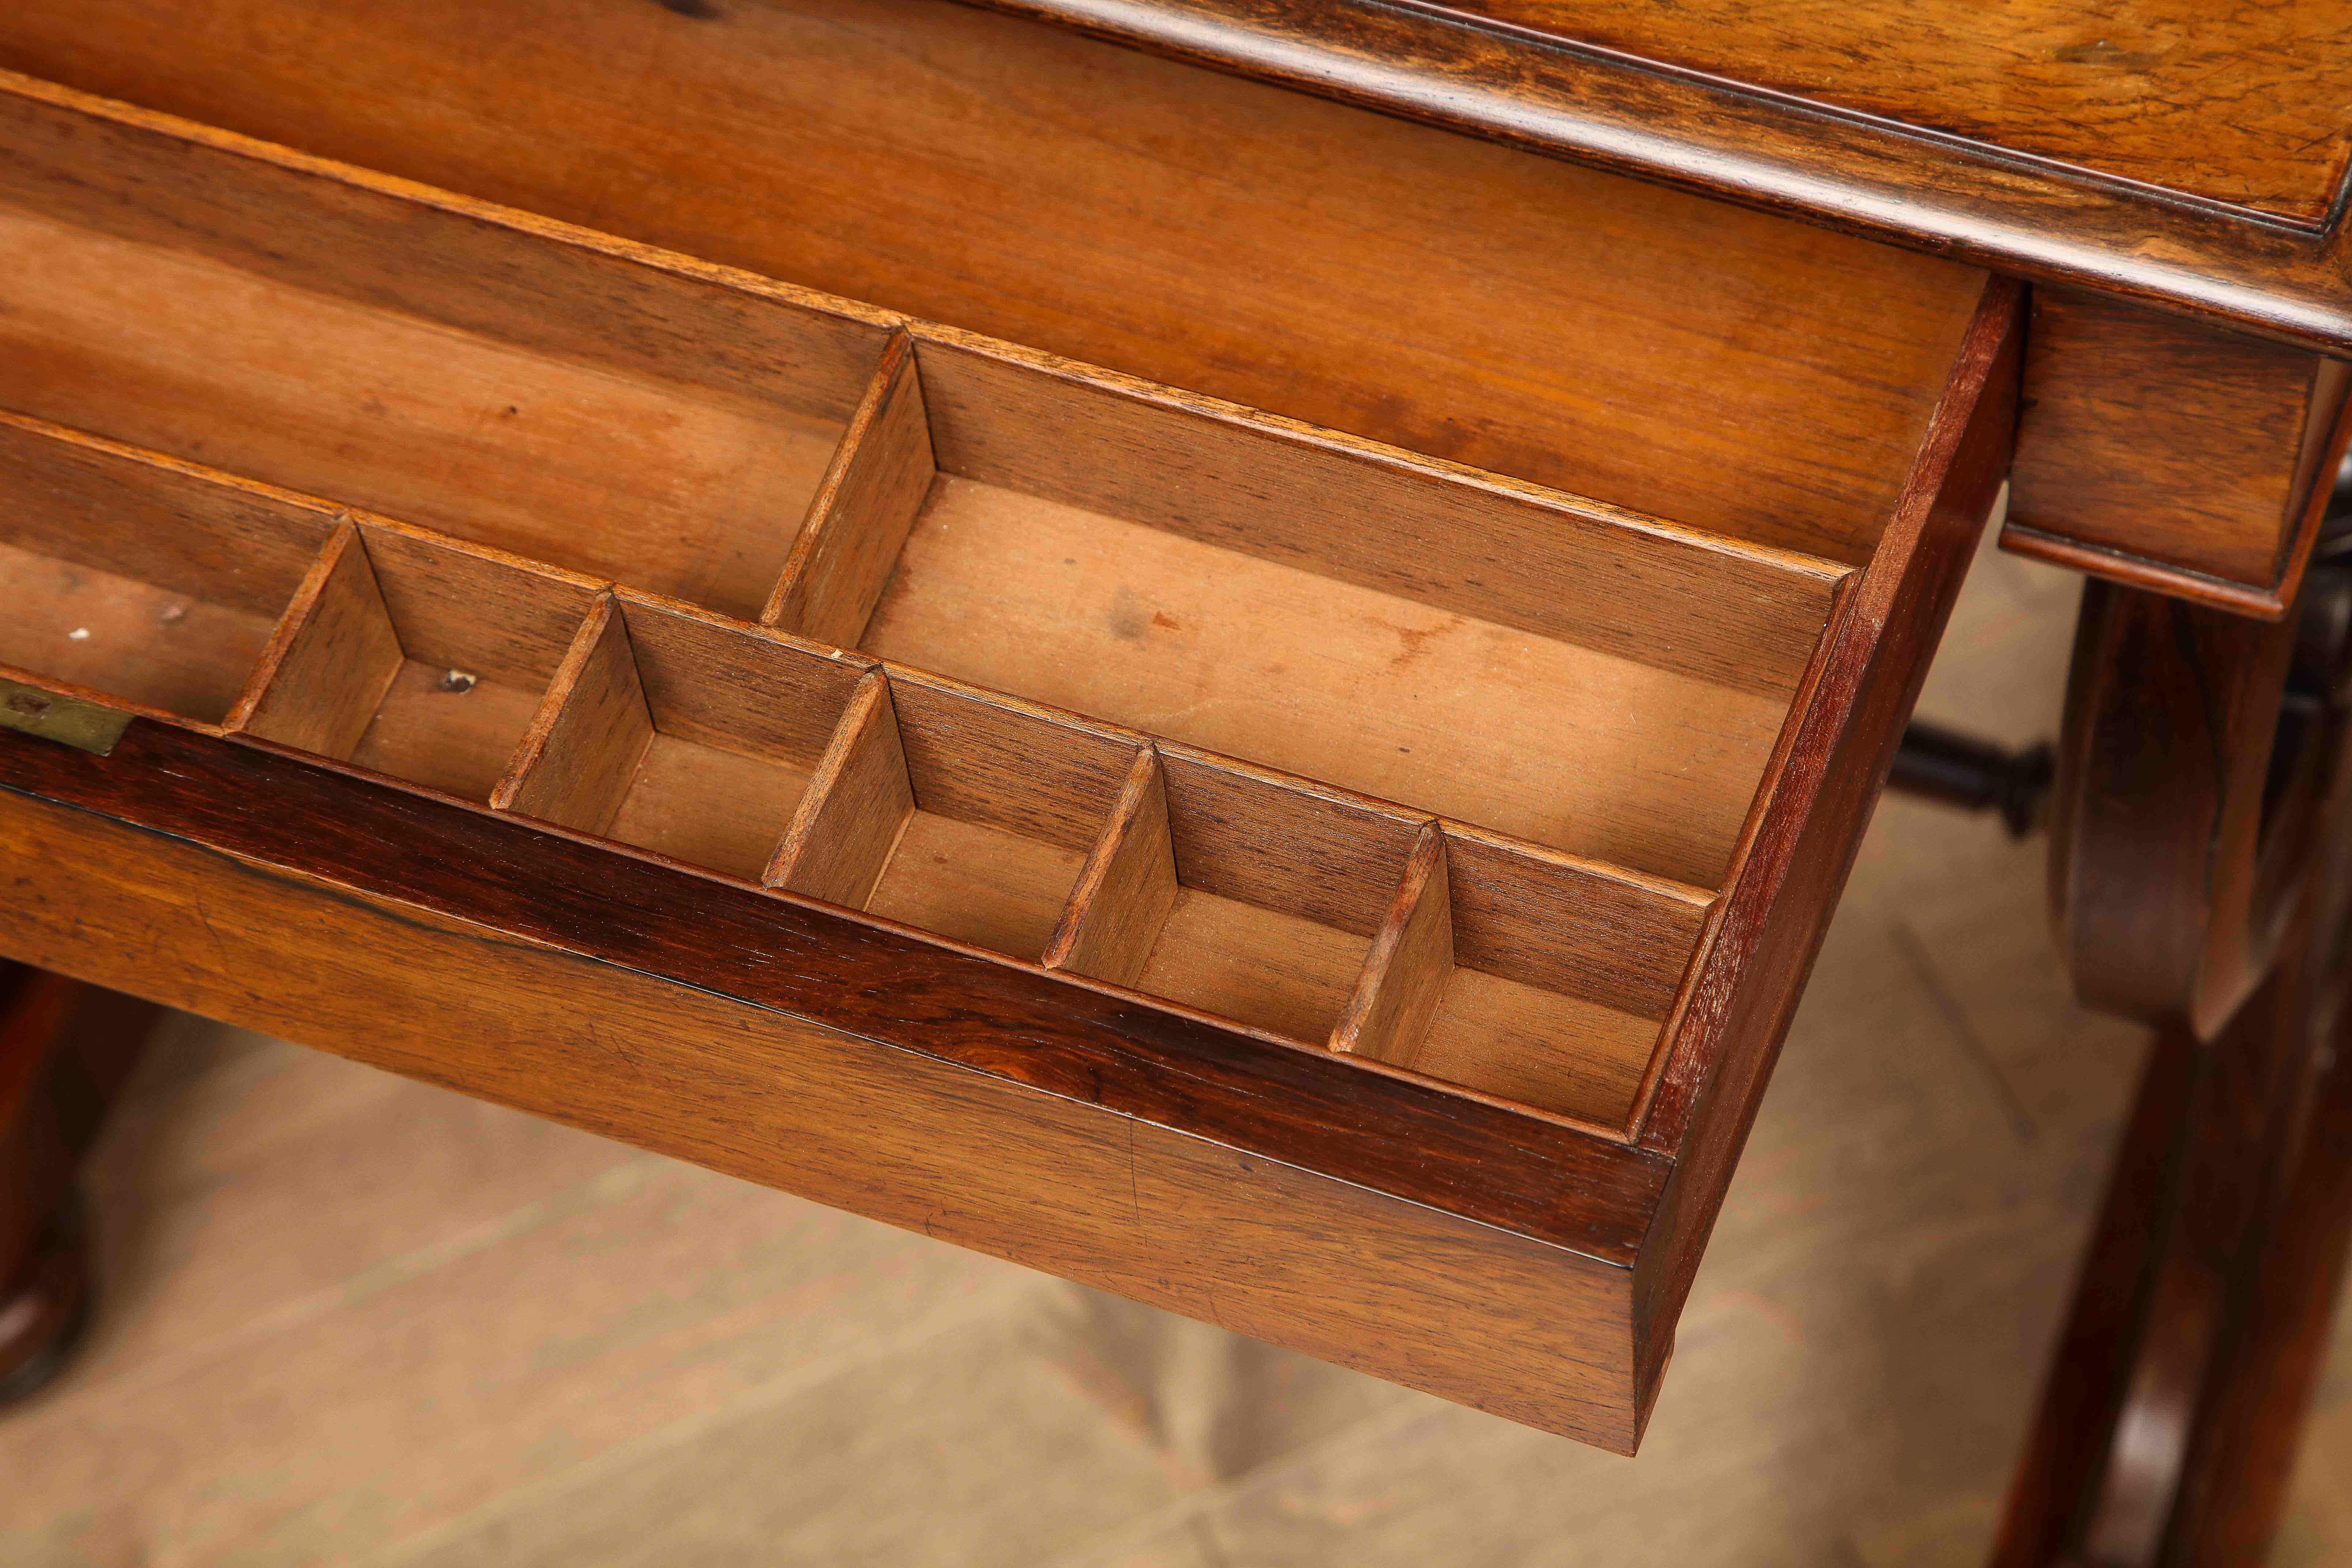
{"x":1372,"y":275}
{"x":1601,"y":755}
{"x":151,"y":648}
{"x":2153,"y":879}
{"x":509,"y":275}
{"x":1763,"y":935}
{"x":859,"y":518}
{"x":2241,"y":104}
{"x":1450,"y":537}
{"x":1711,"y":131}
{"x":473,"y":608}
{"x":1411,"y":959}
{"x":746,"y":689}
{"x":986,"y":757}
{"x":117,"y":509}
{"x":2180,"y":447}
{"x":1126,"y":889}
{"x":589,"y":734}
{"x":318,"y":684}
{"x":1077,"y":1180}
{"x":858,"y":801}
{"x":332,"y":334}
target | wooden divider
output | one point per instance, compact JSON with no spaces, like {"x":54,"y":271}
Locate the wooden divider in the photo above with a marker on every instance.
{"x":858,"y":523}
{"x":856,"y":807}
{"x":592,"y":730}
{"x":1126,"y":887}
{"x":1411,"y":960}
{"x":334,"y":655}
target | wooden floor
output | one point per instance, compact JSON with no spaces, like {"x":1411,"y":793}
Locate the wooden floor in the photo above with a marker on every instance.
{"x":350,"y":1319}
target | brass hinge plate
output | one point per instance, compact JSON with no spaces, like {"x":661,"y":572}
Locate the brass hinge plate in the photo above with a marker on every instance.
{"x":89,"y":726}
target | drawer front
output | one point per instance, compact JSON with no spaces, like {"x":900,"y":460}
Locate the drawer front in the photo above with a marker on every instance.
{"x":1343,"y":895}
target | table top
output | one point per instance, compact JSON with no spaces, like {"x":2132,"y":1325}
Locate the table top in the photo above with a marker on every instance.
{"x":2187,"y":155}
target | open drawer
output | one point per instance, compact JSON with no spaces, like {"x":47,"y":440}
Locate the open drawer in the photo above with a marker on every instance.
{"x":1333,"y":892}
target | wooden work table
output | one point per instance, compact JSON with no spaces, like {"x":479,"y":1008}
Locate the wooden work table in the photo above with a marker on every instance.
{"x":1234,"y":647}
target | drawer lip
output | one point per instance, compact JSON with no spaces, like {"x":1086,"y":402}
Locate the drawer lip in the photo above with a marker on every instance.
{"x":1521,"y":1173}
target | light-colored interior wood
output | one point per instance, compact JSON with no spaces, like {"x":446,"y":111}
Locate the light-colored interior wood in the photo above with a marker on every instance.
{"x":858,"y":522}
{"x":1001,"y":803}
{"x":1455,"y":539}
{"x":330,"y":660}
{"x":125,"y":638}
{"x":591,"y":729}
{"x":434,"y":728}
{"x":143,"y":579}
{"x":1280,"y":973}
{"x":1405,"y":972}
{"x":708,"y":805}
{"x":1588,"y":751}
{"x":976,"y":883}
{"x":1567,"y":1054}
{"x":1123,"y":895}
{"x":739,"y":720}
{"x":1737,"y":370}
{"x":848,"y":823}
{"x":688,"y":490}
{"x":480,"y":637}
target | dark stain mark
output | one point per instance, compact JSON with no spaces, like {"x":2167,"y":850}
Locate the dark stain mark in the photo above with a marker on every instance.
{"x":1162,"y":618}
{"x":699,"y":10}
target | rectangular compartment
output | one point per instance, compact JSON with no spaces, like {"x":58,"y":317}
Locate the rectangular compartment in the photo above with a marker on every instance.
{"x":633,"y":415}
{"x":138,"y":578}
{"x":418,"y":657}
{"x":681,"y":734}
{"x":953,"y":811}
{"x":1598,"y":682}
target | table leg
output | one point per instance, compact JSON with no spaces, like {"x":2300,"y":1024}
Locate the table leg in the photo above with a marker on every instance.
{"x":2202,"y":879}
{"x":65,"y":1050}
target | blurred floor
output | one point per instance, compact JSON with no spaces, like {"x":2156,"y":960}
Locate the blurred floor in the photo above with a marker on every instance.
{"x":352,"y":1320}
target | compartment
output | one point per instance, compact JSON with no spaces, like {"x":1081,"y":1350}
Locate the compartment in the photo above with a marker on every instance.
{"x":1530,"y":976}
{"x":1242,"y":895}
{"x":1593,"y":680}
{"x":680,"y":733}
{"x":416,"y":656}
{"x":573,"y":399}
{"x":1336,"y":921}
{"x":137,"y":578}
{"x":952,"y":810}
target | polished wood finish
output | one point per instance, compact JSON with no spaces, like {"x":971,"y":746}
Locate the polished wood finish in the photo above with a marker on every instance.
{"x":65,"y":1050}
{"x":1799,"y":844}
{"x":2172,"y":457}
{"x":1187,"y":742}
{"x":2201,"y":878}
{"x":2241,"y":105}
{"x":2154,"y":884}
{"x":1053,"y":1141}
{"x":1722,"y":130}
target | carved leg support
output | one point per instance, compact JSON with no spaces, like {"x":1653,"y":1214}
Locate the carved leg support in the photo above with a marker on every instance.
{"x":66,"y":1050}
{"x":2202,"y":878}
